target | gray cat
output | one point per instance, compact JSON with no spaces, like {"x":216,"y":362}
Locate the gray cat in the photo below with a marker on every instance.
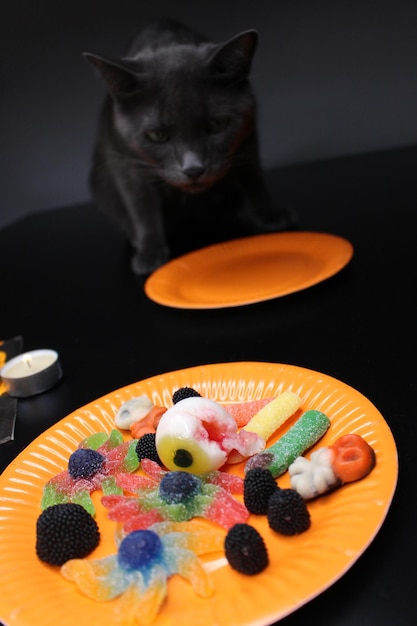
{"x":177,"y":143}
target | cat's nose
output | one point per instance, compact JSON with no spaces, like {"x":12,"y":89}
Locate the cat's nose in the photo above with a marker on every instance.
{"x":192,"y":166}
{"x":194,"y":171}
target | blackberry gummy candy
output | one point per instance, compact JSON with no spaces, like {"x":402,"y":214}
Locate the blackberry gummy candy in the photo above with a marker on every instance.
{"x":184,"y":392}
{"x":146,"y":448}
{"x":65,"y":531}
{"x":258,"y":486}
{"x":245,"y":550}
{"x":288,"y":513}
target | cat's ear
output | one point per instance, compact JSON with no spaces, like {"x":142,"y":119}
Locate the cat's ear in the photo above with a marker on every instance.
{"x":120,"y":80}
{"x":234,"y":58}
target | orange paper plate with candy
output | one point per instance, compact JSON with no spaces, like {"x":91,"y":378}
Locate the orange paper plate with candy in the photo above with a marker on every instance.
{"x":343,"y":523}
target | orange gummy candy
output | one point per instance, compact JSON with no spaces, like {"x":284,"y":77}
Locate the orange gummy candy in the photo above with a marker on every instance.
{"x":148,"y":423}
{"x":353,"y":458}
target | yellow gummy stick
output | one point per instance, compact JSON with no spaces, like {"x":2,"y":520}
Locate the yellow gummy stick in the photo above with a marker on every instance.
{"x":266,"y":421}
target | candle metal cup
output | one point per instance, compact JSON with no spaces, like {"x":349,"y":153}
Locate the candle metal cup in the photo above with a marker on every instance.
{"x":31,"y":373}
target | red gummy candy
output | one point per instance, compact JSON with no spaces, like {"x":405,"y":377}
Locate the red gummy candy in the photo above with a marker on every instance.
{"x":242,"y":412}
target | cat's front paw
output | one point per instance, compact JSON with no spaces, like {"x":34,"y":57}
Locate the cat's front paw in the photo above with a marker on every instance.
{"x":143,"y":263}
{"x":282,"y":219}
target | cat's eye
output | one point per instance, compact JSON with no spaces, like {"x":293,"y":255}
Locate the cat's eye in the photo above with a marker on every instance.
{"x":217,"y":124}
{"x":159,"y":135}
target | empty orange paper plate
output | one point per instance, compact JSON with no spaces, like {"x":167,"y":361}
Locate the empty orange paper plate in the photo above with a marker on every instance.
{"x":343,"y":523}
{"x":248,"y":270}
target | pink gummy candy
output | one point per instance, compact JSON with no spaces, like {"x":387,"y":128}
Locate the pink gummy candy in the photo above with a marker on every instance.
{"x":242,"y":412}
{"x":175,"y":496}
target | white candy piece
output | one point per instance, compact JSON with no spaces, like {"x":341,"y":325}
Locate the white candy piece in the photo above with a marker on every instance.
{"x":132,"y":411}
{"x":311,"y":478}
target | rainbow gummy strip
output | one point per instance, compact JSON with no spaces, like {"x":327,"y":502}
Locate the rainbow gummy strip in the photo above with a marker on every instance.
{"x":268,"y":419}
{"x":306,"y":431}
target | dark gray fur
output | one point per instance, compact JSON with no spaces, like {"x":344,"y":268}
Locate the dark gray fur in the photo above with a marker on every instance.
{"x":177,"y":143}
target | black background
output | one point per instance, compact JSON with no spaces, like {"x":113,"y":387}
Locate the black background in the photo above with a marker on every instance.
{"x":339,"y":136}
{"x":68,"y":286}
{"x":332,"y":79}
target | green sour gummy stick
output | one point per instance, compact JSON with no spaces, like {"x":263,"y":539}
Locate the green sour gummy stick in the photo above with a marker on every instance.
{"x":308,"y":429}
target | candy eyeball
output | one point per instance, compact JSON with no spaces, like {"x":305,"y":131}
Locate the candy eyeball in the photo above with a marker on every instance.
{"x":132,"y":411}
{"x":180,"y":446}
{"x":193,"y":436}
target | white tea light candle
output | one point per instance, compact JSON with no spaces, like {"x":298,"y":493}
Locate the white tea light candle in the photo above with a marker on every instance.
{"x":31,"y":373}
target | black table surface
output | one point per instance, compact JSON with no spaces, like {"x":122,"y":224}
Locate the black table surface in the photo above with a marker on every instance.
{"x":66,"y":284}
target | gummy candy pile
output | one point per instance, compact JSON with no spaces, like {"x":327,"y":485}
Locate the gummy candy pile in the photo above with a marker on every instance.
{"x":161,"y":507}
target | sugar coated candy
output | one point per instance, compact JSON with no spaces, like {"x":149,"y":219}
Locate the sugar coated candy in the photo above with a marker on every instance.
{"x":306,"y":431}
{"x":243,"y":412}
{"x":175,"y":496}
{"x":136,"y":577}
{"x":270,"y":417}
